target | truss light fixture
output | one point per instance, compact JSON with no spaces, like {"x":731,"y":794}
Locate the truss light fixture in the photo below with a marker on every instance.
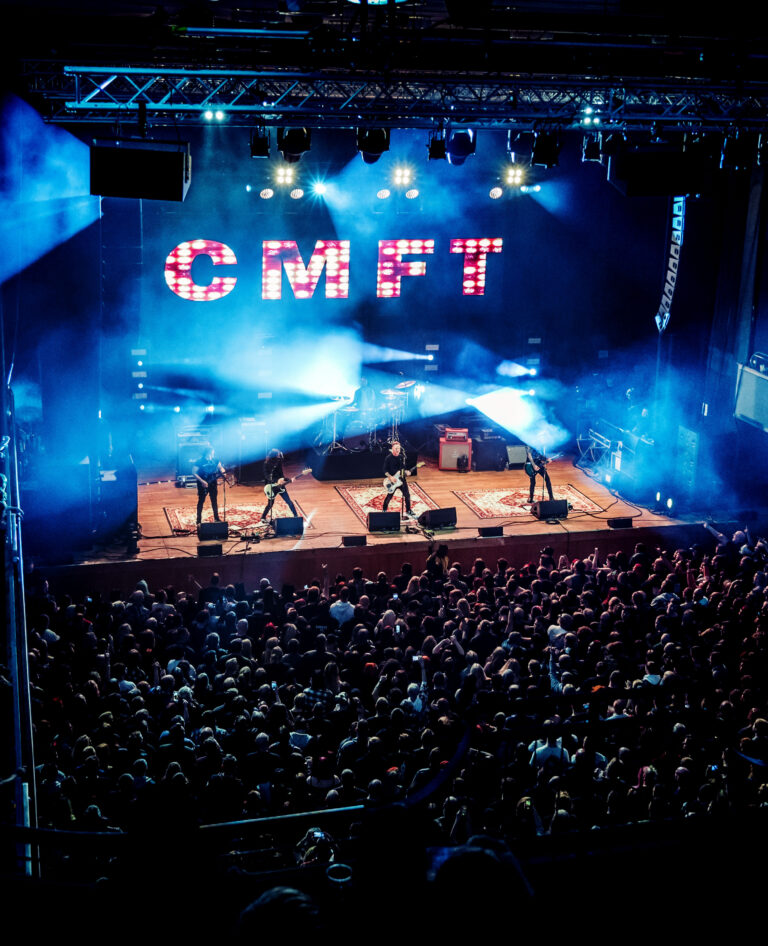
{"x":460,"y":145}
{"x":546,"y":149}
{"x":590,"y":148}
{"x":495,"y":192}
{"x":292,"y":143}
{"x":513,"y":175}
{"x":260,"y":143}
{"x":436,"y":147}
{"x":372,"y":143}
{"x":284,"y":175}
{"x":402,"y":176}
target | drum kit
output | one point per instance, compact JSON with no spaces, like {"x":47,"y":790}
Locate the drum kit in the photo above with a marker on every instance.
{"x":350,"y":420}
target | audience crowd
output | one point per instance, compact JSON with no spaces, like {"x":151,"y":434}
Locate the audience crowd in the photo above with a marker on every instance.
{"x":507,"y":699}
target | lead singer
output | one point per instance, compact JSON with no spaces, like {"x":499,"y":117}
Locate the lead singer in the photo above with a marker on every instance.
{"x":394,"y":469}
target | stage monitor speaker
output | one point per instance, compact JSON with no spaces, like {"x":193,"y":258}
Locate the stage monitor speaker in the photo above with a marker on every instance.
{"x":349,"y":540}
{"x":151,"y":172}
{"x":289,"y":525}
{"x":620,"y":522}
{"x":383,"y":521}
{"x":550,"y":509}
{"x":212,"y":530}
{"x":208,"y":549}
{"x":438,"y":518}
{"x":490,"y":532}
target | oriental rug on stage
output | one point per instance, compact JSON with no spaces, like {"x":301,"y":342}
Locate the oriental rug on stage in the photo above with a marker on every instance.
{"x":364,"y":499}
{"x":504,"y":503}
{"x":241,"y":517}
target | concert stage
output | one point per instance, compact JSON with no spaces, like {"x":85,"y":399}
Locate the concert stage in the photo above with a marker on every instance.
{"x":168,"y":557}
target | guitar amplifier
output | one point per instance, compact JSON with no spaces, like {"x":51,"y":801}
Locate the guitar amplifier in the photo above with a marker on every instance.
{"x":212,"y":530}
{"x":450,"y":451}
{"x":457,"y":434}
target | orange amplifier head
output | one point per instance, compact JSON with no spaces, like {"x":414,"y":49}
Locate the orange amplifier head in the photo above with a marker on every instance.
{"x":457,"y":434}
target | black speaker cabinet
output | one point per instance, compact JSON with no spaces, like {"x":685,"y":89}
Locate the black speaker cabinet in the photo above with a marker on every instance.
{"x":620,"y":522}
{"x":130,"y":170}
{"x":490,"y":455}
{"x":208,"y":549}
{"x":212,"y":530}
{"x":550,"y":509}
{"x":438,"y":518}
{"x":289,"y":525}
{"x":349,"y":540}
{"x":490,"y":532}
{"x":383,"y":521}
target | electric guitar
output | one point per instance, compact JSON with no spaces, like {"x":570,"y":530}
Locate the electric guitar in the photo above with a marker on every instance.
{"x":391,"y":487}
{"x":211,"y":478}
{"x":538,"y":464}
{"x":274,"y":489}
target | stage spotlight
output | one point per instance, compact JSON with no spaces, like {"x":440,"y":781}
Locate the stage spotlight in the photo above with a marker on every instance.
{"x":532,"y":392}
{"x":514,"y":175}
{"x":383,"y":193}
{"x":210,"y":409}
{"x":248,"y":188}
{"x":530,"y":189}
{"x":219,"y":115}
{"x":293,"y":142}
{"x":177,"y":409}
{"x":208,"y":115}
{"x":401,"y":176}
{"x":412,"y":194}
{"x":372,"y":143}
{"x":142,"y":407}
{"x":532,"y":372}
{"x":546,"y":149}
{"x":319,"y":188}
{"x":590,"y":148}
{"x":495,"y":192}
{"x":284,"y":175}
{"x":436,"y":147}
{"x":297,"y":193}
{"x":266,"y":193}
{"x":260,"y":143}
{"x":460,"y":145}
{"x":670,"y":502}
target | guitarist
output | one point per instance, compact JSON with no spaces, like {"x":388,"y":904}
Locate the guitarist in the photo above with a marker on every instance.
{"x":274,"y":476}
{"x":536,"y":465}
{"x":394,"y":467}
{"x":207,"y":471}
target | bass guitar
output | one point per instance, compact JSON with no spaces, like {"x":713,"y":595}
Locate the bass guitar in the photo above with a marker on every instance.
{"x":390,"y":487}
{"x":274,"y":489}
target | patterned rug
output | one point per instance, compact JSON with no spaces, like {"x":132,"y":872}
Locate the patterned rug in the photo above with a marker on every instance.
{"x":241,"y":517}
{"x":364,"y":499}
{"x":503,"y":503}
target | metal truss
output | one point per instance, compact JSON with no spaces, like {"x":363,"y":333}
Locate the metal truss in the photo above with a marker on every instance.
{"x":343,"y":99}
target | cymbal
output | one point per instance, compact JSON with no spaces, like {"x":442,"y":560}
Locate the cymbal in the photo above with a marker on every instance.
{"x":405,"y":384}
{"x":391,"y":392}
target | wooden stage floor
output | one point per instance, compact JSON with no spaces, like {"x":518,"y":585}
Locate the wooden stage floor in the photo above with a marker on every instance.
{"x":167,"y":557}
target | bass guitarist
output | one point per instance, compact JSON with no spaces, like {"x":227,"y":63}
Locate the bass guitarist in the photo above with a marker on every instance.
{"x":208,"y":470}
{"x":274,"y":477}
{"x":396,"y":472}
{"x":536,"y":465}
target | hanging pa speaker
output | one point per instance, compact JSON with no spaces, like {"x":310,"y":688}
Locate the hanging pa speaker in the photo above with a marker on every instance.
{"x":550,"y":509}
{"x":148,"y":170}
{"x":438,"y":518}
